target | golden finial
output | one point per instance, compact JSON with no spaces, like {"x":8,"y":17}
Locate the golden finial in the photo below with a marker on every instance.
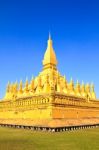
{"x":87,"y":87}
{"x":92,"y":87}
{"x":26,"y":84}
{"x":64,"y":77}
{"x":8,"y":87}
{"x":71,"y":87}
{"x":21,"y":83}
{"x":16,"y":83}
{"x":32,"y":80}
{"x":82,"y":82}
{"x":26,"y":81}
{"x":77,"y":81}
{"x":32,"y":77}
{"x":12,"y":87}
{"x":32,"y":83}
{"x":16,"y":86}
{"x":71,"y":83}
{"x":20,"y":86}
{"x":65,"y":81}
{"x":26,"y":78}
{"x":87,"y":84}
{"x":49,"y":36}
{"x":71,"y":80}
{"x":39,"y":81}
{"x":93,"y":94}
{"x":83,"y":86}
{"x":78,"y":84}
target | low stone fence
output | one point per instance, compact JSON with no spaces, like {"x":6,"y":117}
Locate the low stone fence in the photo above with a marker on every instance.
{"x":51,"y":129}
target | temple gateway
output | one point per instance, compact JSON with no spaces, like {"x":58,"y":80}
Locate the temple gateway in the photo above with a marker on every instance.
{"x":49,"y":100}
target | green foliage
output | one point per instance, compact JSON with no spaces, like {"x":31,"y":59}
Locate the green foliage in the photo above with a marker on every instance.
{"x":20,"y":139}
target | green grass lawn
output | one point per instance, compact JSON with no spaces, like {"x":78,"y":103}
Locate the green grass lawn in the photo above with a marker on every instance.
{"x":20,"y":139}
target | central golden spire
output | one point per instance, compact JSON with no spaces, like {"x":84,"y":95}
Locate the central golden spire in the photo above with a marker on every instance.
{"x":49,"y":60}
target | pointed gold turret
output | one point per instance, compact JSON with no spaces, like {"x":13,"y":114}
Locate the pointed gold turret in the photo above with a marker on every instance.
{"x":77,"y":89}
{"x":32,"y":85}
{"x":26,"y":86}
{"x":49,"y":60}
{"x":71,"y":87}
{"x":21,"y":87}
{"x":16,"y":87}
{"x":8,"y":87}
{"x":88,"y":91}
{"x":83,"y":92}
{"x":93,"y":94}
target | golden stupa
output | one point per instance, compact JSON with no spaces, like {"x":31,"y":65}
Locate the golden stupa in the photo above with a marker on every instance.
{"x":49,"y":99}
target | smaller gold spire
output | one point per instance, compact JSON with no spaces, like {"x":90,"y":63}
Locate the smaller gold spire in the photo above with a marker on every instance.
{"x":21,"y":87}
{"x":71,"y":82}
{"x":93,"y":94}
{"x":82,"y":82}
{"x":87,"y":87}
{"x":8,"y":87}
{"x":88,"y":91}
{"x":77,"y":82}
{"x":71,"y":87}
{"x":32,"y":77}
{"x":64,"y":78}
{"x":12,"y":88}
{"x":92,"y":87}
{"x":31,"y":87}
{"x":83,"y":87}
{"x":65,"y":88}
{"x":16,"y":87}
{"x":83,"y":92}
{"x":26,"y":85}
{"x":77,"y":89}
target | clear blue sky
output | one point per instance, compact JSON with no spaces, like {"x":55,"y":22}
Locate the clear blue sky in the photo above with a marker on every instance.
{"x":24,"y":27}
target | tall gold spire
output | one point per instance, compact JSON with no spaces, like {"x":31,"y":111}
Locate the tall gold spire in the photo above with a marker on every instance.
{"x":49,"y":60}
